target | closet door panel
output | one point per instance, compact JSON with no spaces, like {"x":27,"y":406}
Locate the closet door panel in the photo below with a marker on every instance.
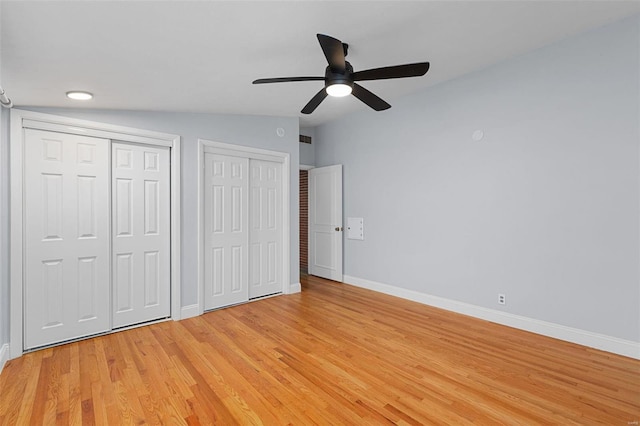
{"x":66,"y":237}
{"x":141,"y":237}
{"x":265,"y":234}
{"x":226,"y":231}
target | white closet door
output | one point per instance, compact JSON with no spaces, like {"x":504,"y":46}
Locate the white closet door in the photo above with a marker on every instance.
{"x":141,"y":233}
{"x":66,"y":237}
{"x":265,"y":235}
{"x":226,"y":230}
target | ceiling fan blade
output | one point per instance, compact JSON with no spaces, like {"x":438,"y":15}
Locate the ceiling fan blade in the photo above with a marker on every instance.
{"x":369,"y":98}
{"x":397,"y":71}
{"x":333,"y":51}
{"x":286,"y":79}
{"x":314,"y":102}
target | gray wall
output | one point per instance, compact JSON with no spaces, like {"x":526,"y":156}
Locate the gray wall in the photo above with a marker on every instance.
{"x":4,"y":226}
{"x":254,"y":131}
{"x":544,"y":209}
{"x":4,"y":219}
{"x":307,"y":152}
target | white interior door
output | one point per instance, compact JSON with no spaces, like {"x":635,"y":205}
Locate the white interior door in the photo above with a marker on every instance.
{"x":325,"y":222}
{"x":141,"y":233}
{"x":66,"y":237}
{"x":226,"y":230}
{"x":265,"y":233}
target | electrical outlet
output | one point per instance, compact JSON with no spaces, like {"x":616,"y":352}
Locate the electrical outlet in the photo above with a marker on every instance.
{"x":502,"y":299}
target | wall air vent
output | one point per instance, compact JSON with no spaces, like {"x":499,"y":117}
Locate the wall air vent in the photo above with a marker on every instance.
{"x":305,"y":139}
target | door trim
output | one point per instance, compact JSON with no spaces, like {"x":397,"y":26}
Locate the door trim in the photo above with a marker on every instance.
{"x":21,"y":119}
{"x":251,"y":153}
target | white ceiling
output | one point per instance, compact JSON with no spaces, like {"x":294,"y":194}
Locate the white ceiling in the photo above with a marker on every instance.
{"x":202,"y":56}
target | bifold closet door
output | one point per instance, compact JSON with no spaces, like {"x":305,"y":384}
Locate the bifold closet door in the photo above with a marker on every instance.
{"x":265,"y":232}
{"x":66,"y":184}
{"x":141,"y":233}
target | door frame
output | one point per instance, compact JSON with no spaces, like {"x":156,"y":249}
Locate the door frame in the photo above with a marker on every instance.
{"x":250,"y":153}
{"x":21,"y":119}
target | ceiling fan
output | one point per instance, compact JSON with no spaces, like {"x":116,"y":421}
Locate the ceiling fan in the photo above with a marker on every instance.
{"x":340,"y":79}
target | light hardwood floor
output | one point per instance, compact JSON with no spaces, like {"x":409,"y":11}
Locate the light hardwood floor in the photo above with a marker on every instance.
{"x":331,"y":355}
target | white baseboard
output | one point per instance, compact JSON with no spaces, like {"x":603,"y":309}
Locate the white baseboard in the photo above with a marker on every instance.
{"x":190,"y":311}
{"x":194,"y":310}
{"x":586,"y":338}
{"x":4,"y":355}
{"x":295,"y":288}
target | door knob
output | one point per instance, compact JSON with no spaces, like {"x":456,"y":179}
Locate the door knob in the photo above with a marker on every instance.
{"x":338,"y":228}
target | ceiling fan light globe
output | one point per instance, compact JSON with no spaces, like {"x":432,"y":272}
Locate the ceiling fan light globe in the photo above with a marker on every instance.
{"x":339,"y":90}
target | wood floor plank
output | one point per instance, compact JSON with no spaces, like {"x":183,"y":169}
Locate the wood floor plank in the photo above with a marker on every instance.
{"x":75,"y":395}
{"x":332,"y":354}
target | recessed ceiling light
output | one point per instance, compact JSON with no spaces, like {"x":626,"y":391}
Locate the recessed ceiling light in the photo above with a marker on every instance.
{"x":79,"y":96}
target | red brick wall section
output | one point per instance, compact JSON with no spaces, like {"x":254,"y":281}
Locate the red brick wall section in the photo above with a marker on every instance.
{"x":304,"y":219}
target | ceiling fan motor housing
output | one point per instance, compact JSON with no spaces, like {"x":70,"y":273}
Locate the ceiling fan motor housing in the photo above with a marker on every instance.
{"x":336,"y":77}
